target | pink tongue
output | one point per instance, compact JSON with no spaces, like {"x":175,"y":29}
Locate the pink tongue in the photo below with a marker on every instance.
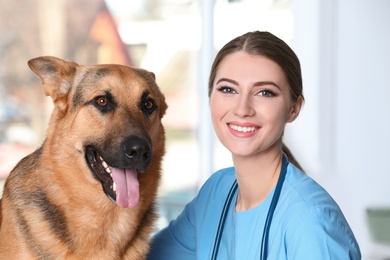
{"x":127,"y":187}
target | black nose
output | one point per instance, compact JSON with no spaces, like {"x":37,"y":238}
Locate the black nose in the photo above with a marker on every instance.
{"x":138,"y":151}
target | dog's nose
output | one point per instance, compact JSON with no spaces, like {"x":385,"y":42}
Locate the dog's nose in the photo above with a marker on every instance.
{"x":138,"y":151}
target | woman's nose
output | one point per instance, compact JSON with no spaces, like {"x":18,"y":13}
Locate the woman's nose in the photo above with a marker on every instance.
{"x":243,"y":107}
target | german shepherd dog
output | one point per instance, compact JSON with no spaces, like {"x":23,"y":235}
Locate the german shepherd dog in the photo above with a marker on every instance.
{"x":89,"y":191}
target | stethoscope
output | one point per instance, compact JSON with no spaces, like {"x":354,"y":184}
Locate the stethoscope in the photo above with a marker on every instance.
{"x":267,"y":225}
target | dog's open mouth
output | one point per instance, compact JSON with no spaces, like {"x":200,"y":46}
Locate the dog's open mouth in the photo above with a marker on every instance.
{"x":120,"y":184}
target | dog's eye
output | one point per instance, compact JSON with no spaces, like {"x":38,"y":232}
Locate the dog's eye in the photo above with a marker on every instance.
{"x":101,"y":101}
{"x":104,"y":103}
{"x":149,"y":104}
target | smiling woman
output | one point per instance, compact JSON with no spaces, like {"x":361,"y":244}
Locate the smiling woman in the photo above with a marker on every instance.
{"x":250,"y":93}
{"x":255,"y":89}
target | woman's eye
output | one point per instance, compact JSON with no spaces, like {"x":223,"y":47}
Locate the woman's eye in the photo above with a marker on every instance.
{"x":101,"y":101}
{"x":226,"y":90}
{"x":266,"y":93}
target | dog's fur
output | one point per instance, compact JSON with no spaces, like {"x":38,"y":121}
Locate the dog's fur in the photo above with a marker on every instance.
{"x":59,"y":202}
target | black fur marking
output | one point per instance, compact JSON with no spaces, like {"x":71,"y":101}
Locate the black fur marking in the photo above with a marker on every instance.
{"x":77,"y":99}
{"x":146,"y":76}
{"x":102,"y":72}
{"x":49,"y":68}
{"x":32,"y":243}
{"x":90,"y":77}
{"x":53,"y":215}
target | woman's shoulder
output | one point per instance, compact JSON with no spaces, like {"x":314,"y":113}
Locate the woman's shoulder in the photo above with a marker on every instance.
{"x":217,"y":186}
{"x":221,"y":179}
{"x":310,"y":208}
{"x":307,"y":200}
{"x":306,"y":190}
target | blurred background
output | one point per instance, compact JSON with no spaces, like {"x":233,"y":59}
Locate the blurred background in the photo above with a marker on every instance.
{"x":341,"y":137}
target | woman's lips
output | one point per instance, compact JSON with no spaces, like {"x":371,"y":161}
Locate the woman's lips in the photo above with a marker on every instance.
{"x":243,"y":130}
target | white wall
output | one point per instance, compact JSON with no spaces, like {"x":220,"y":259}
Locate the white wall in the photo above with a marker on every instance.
{"x":343,"y":135}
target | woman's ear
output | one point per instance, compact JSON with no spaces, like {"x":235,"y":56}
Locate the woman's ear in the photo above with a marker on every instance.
{"x":295,"y":109}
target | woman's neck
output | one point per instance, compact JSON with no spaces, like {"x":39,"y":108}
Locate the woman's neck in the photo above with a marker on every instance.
{"x":256,"y":177}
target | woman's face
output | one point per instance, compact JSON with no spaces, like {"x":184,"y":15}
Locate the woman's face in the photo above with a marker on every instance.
{"x":250,"y":104}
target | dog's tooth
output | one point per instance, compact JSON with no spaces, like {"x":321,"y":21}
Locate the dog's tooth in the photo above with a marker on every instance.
{"x":108,"y":170}
{"x":114,"y":187}
{"x":104,"y":164}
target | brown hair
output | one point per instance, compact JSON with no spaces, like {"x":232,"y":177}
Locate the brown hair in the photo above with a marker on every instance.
{"x":268,"y":45}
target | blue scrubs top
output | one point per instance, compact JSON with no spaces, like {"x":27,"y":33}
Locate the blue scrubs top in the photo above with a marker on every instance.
{"x":307,"y":224}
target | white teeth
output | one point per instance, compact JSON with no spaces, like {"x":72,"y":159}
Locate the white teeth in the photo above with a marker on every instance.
{"x":243,"y":129}
{"x":109,"y":171}
{"x":104,"y":164}
{"x":106,"y":167}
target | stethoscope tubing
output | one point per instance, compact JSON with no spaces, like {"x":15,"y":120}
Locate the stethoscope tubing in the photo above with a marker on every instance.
{"x":223,"y":219}
{"x":268,"y":221}
{"x":271,"y":210}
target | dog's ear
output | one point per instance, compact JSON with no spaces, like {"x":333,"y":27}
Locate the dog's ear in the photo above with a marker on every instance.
{"x":56,"y":75}
{"x":163,"y":105}
{"x":152,"y":75}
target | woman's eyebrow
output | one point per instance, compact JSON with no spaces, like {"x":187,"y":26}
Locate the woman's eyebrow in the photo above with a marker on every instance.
{"x":257,"y":84}
{"x":228,"y":80}
{"x":262,"y":83}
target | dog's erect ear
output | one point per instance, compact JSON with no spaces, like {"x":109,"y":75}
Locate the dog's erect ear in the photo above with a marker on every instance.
{"x":152,"y":75}
{"x":56,"y":75}
{"x":163,"y":106}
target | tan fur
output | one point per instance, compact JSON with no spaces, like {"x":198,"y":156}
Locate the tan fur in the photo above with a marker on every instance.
{"x":52,"y":206}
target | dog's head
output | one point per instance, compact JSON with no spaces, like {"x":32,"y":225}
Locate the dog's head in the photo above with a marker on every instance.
{"x":110,"y":116}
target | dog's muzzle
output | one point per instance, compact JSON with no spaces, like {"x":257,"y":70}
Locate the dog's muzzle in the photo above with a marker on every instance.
{"x":118,"y":171}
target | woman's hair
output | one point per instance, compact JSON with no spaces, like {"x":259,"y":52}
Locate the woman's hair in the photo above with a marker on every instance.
{"x":268,"y":45}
